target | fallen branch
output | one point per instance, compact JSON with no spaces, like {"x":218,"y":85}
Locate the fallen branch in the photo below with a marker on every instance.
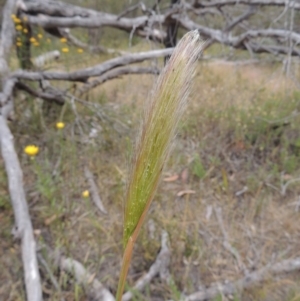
{"x":285,"y":266}
{"x":94,"y":287}
{"x":94,"y":191}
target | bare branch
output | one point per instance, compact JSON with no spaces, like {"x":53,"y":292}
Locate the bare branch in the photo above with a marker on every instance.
{"x":251,"y":11}
{"x":285,"y":266}
{"x":241,"y":40}
{"x":220,"y":3}
{"x":23,"y":224}
{"x":7,"y":33}
{"x":76,"y":42}
{"x":84,"y":74}
{"x":116,"y":73}
{"x":58,"y":14}
{"x":55,"y":97}
{"x":93,"y":286}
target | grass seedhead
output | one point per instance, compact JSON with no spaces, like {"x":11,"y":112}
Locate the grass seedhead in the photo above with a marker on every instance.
{"x":161,"y":117}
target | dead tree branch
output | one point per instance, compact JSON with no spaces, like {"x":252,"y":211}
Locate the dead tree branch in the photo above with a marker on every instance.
{"x":220,"y":3}
{"x":50,"y":14}
{"x":55,"y":97}
{"x":116,"y":73}
{"x":24,"y":230}
{"x":23,"y":226}
{"x":98,"y":70}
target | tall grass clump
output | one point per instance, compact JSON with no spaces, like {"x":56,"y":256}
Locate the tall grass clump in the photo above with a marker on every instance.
{"x":162,"y":114}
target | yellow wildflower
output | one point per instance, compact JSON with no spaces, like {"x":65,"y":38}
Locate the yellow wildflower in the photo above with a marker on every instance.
{"x":31,"y":150}
{"x":60,"y":125}
{"x":65,"y":50}
{"x":86,"y":194}
{"x":79,"y":50}
{"x":19,"y":27}
{"x":36,"y":44}
{"x":32,"y":40}
{"x":40,"y":36}
{"x":19,"y":44}
{"x":25,"y":30}
{"x":63,"y":40}
{"x":17,"y":20}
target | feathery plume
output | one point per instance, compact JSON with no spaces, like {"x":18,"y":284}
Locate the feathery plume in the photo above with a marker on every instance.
{"x":162,"y":114}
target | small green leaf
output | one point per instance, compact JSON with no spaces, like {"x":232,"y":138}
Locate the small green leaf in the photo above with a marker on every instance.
{"x":198,"y":168}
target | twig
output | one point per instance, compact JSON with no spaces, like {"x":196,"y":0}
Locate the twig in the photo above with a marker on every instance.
{"x":51,"y":95}
{"x":95,"y":49}
{"x":77,"y":118}
{"x":285,"y":266}
{"x":24,"y":229}
{"x":159,"y":267}
{"x":285,"y":186}
{"x":94,"y":191}
{"x":296,"y":204}
{"x":131,"y":9}
{"x":116,"y":73}
{"x":93,"y":286}
{"x":44,"y":263}
{"x":226,"y":243}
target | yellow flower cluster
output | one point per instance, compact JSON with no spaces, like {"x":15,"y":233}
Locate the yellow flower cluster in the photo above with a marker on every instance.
{"x":63,"y":40}
{"x":65,"y":49}
{"x":31,"y":150}
{"x":17,"y":22}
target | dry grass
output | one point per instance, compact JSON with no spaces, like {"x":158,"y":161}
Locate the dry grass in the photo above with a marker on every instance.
{"x":224,"y":144}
